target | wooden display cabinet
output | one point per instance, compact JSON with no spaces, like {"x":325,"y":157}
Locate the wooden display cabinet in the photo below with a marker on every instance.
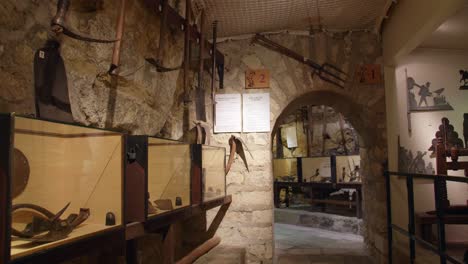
{"x":169,"y":170}
{"x":175,"y":179}
{"x":50,"y":164}
{"x":171,"y":177}
{"x":157,"y":178}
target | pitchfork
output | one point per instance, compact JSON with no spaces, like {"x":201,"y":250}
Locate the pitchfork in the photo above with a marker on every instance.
{"x":327,"y":72}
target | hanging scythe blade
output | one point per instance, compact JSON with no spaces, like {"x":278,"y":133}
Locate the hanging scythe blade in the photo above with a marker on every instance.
{"x":59,"y":25}
{"x":232,"y":153}
{"x":159,"y":67}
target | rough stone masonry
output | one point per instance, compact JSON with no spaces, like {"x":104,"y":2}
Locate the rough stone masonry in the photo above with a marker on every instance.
{"x":150,"y":103}
{"x":249,"y":221}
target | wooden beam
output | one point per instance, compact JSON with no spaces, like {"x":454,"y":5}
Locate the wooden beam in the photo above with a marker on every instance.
{"x":217,"y":220}
{"x":134,"y":230}
{"x":169,"y":245}
{"x":155,"y":223}
{"x":200,"y":251}
{"x":6,"y":141}
{"x":410,"y":23}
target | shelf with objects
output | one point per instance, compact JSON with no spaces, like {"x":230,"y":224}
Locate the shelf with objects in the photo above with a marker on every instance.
{"x":62,"y":189}
{"x":321,"y":181}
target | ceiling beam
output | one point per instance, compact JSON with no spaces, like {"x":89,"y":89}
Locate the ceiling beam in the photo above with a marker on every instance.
{"x":411,"y":22}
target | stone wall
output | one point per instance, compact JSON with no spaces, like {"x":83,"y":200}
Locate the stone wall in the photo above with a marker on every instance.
{"x":249,"y":221}
{"x":147,"y":102}
{"x":143,"y":98}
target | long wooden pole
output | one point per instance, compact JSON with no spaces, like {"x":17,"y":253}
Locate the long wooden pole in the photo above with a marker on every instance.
{"x":114,"y":67}
{"x":201,"y":112}
{"x":213,"y":71}
{"x":119,"y":34}
{"x":186,"y":117}
{"x":200,"y":251}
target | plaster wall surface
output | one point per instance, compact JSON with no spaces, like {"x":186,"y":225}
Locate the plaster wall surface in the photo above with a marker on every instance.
{"x":411,"y":23}
{"x":249,"y":220}
{"x":440,"y":68}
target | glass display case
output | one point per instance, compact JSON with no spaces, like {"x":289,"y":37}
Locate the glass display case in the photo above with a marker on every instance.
{"x":317,"y":169}
{"x":213,"y":172}
{"x":169,"y":175}
{"x":348,"y":169}
{"x":65,"y":183}
{"x":285,"y":170}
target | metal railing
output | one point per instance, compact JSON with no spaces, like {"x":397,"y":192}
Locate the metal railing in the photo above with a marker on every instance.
{"x":441,"y":247}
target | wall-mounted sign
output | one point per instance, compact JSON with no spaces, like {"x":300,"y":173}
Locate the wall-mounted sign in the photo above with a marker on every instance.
{"x":256,"y":112}
{"x":369,"y":74}
{"x":257,"y":79}
{"x":291,"y":136}
{"x":228,"y":113}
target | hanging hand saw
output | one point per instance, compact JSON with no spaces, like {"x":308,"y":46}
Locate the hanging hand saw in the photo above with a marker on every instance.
{"x":59,"y":24}
{"x":327,"y":72}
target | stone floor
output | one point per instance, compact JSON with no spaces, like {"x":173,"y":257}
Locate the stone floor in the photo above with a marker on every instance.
{"x":331,"y":222}
{"x":305,"y":245}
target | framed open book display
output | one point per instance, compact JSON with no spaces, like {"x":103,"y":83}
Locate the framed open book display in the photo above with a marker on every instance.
{"x":63,"y":185}
{"x":213,"y":172}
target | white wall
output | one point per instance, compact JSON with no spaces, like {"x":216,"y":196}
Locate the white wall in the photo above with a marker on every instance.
{"x":441,"y":68}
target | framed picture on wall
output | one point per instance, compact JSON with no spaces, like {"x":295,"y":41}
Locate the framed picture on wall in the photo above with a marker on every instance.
{"x":348,"y":168}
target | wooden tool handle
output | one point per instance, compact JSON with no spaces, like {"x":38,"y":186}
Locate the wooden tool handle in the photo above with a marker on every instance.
{"x":119,"y":34}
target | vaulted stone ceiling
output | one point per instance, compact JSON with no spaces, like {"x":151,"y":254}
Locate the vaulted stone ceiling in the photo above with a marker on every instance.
{"x":239,"y":17}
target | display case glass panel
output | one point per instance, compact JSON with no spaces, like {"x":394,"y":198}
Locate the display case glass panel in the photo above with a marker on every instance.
{"x":317,"y":169}
{"x":169,"y":170}
{"x":63,"y":167}
{"x":213,"y":171}
{"x":285,"y":170}
{"x":348,"y":168}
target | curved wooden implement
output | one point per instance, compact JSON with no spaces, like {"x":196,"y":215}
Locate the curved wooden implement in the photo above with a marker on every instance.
{"x":21,"y":173}
{"x":237,"y":146}
{"x":44,"y":220}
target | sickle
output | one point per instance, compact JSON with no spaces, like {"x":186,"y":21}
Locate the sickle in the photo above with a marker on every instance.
{"x":59,"y":24}
{"x":39,"y":213}
{"x":57,"y":228}
{"x":232,"y":144}
{"x":159,"y":67}
{"x":199,"y":134}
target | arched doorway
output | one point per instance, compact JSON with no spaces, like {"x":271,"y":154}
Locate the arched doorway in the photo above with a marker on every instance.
{"x":372,"y":155}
